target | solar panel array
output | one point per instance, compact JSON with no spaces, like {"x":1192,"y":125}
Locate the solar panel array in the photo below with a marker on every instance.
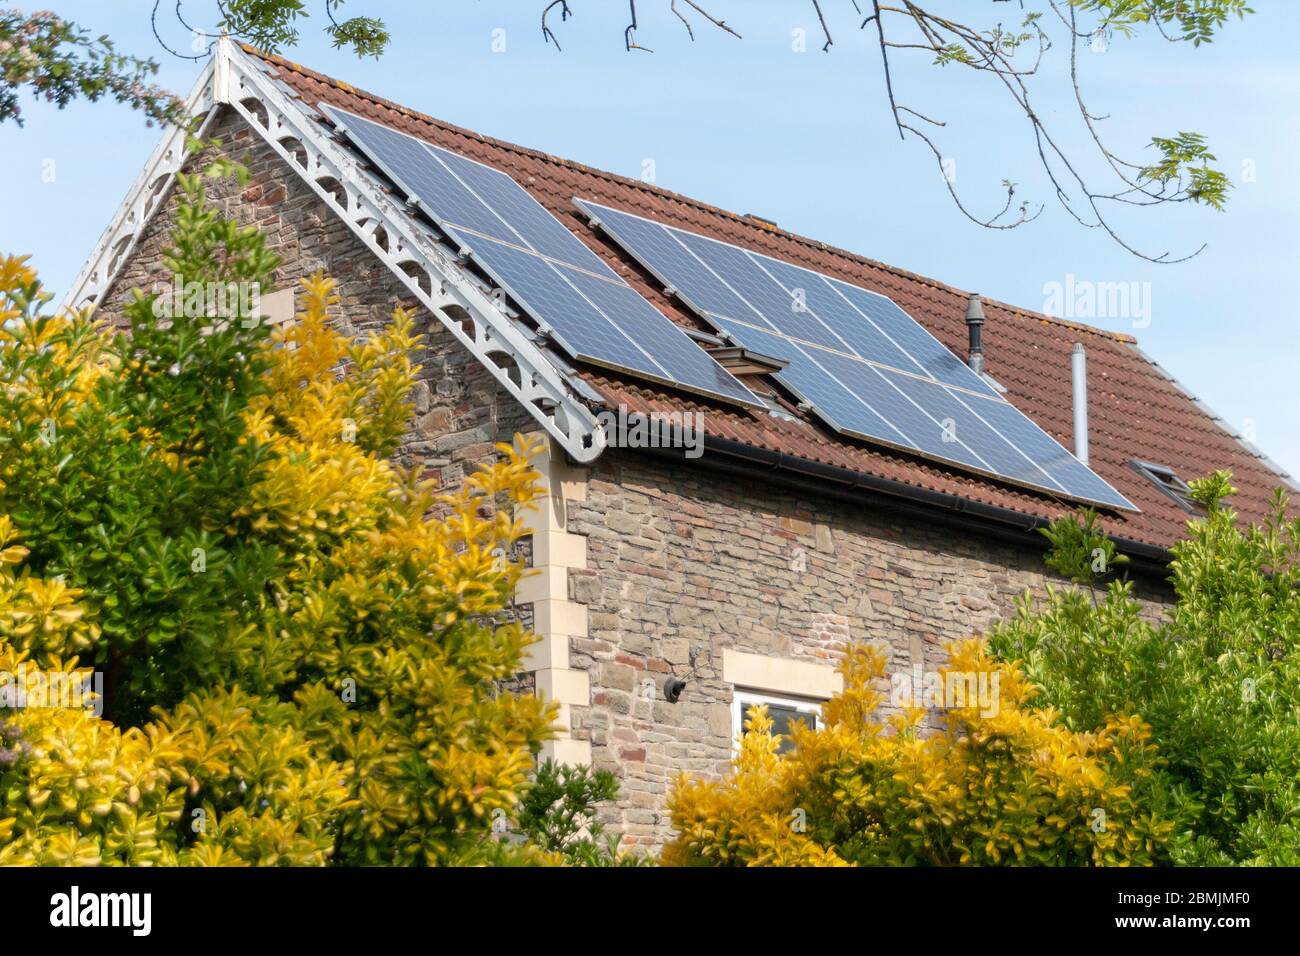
{"x":859,"y":361}
{"x":582,"y":304}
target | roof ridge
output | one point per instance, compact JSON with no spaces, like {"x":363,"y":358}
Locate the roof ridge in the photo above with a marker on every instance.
{"x":668,"y":194}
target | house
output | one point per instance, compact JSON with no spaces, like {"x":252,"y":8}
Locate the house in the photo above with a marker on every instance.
{"x":741,"y":565}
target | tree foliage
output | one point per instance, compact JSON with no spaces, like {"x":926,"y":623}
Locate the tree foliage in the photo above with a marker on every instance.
{"x":1195,"y":23}
{"x":558,"y":815}
{"x":59,"y":61}
{"x":1218,"y":679}
{"x":273,"y":24}
{"x":996,"y":786}
{"x":299,"y":643}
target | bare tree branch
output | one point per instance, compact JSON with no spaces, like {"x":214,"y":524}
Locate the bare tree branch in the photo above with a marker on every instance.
{"x":825,"y":29}
{"x":884,"y":58}
{"x":629,"y":35}
{"x":720,"y":24}
{"x":1090,"y":186}
{"x":565,"y":13}
{"x":686,"y":23}
{"x":153,"y":25}
{"x":991,"y":52}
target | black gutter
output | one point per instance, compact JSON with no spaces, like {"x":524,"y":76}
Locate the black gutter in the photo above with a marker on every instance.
{"x":817,"y":478}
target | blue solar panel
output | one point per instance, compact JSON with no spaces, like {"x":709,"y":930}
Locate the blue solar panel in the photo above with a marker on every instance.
{"x":406,"y":161}
{"x":645,"y":325}
{"x":1000,"y":456}
{"x":578,"y":300}
{"x":852,"y":331}
{"x":863,"y":364}
{"x":810,"y":383}
{"x":544,"y":292}
{"x":925,"y":432}
{"x":907,"y":334}
{"x":526,"y":216}
{"x":1068,"y":471}
{"x":759,"y":290}
{"x":675,"y":266}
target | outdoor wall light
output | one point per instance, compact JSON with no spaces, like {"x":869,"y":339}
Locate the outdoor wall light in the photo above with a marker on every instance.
{"x":673,"y":688}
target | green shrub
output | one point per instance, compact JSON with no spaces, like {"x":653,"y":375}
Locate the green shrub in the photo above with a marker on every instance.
{"x":1218,"y":679}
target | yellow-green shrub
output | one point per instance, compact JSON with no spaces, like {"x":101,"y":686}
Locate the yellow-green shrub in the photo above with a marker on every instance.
{"x":298,"y":641}
{"x":1013,"y":787}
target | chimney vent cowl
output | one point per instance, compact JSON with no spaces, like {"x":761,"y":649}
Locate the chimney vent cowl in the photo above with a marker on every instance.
{"x":975,"y":326}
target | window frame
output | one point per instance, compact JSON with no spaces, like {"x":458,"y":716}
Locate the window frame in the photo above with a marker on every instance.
{"x":749,"y":696}
{"x":1168,"y":481}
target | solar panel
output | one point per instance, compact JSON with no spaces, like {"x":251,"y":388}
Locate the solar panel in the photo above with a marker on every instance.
{"x":581,"y":303}
{"x":859,"y":361}
{"x":810,"y":382}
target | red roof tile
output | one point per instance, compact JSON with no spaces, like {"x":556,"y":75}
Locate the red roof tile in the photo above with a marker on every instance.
{"x":1135,"y":410}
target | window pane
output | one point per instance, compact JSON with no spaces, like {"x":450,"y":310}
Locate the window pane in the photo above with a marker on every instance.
{"x":782,"y":719}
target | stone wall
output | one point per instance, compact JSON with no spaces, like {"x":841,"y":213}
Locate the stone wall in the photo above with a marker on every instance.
{"x":683,"y":563}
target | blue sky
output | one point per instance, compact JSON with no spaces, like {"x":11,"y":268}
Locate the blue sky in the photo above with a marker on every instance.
{"x":805,"y":139}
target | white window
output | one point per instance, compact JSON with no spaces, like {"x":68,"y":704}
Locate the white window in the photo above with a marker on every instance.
{"x":1168,"y":481}
{"x":783,"y":711}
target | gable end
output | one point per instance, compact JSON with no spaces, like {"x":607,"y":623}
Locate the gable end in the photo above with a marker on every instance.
{"x":540,"y":381}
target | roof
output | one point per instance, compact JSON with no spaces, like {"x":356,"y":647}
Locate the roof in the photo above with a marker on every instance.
{"x":1136,"y":410}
